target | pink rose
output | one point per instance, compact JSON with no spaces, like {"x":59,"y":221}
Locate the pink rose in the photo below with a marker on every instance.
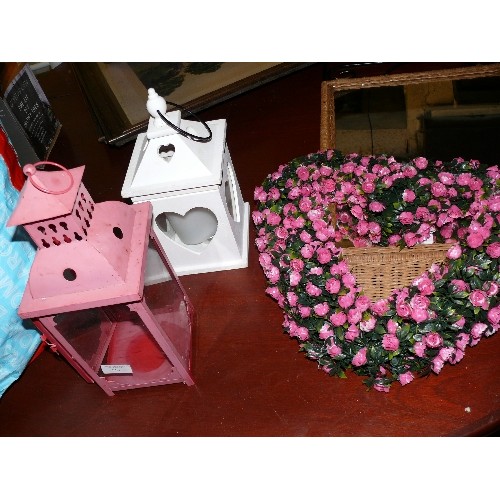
{"x":454,"y":252}
{"x":419,"y":315}
{"x":332,"y":286}
{"x":433,"y":340}
{"x":346,"y":301}
{"x":305,"y":237}
{"x":405,"y":378}
{"x":493,"y":250}
{"x":325,"y":170}
{"x":390,"y":342}
{"x":297,"y":264}
{"x":462,"y":341}
{"x":325,"y":332}
{"x":406,"y":218}
{"x":457,"y":356}
{"x":362,"y":227}
{"x":368,"y":325}
{"x":273,"y":219}
{"x":257,"y":217}
{"x":494,"y":316}
{"x":437,"y":364}
{"x":304,"y":311}
{"x":363,"y":303}
{"x":275,"y":293}
{"x":478,"y":298}
{"x":357,"y":211}
{"x":292,"y":298}
{"x":394,"y":239}
{"x":305,"y":204}
{"x":424,"y":285}
{"x":380,"y":307}
{"x":352,"y":333}
{"x":459,"y":285}
{"x":475,"y":240}
{"x":381,"y":387}
{"x":446,"y":178}
{"x":316,"y":271}
{"x":445,"y":353}
{"x":307,"y":251}
{"x":410,"y":239}
{"x":360,"y":358}
{"x":354,"y":316}
{"x":302,"y":333}
{"x":295,"y":278}
{"x":438,"y":189}
{"x":333,"y":350}
{"x":376,"y":206}
{"x":265,"y":260}
{"x":274,"y":194}
{"x":273,"y":274}
{"x":392,"y":327}
{"x":374,"y":228}
{"x":312,"y":290}
{"x":349,"y":280}
{"x":321,"y":309}
{"x":420,"y":162}
{"x":423,"y":213}
{"x":303,"y":173}
{"x":259,"y":194}
{"x":324,"y":255}
{"x":491,"y":288}
{"x":409,"y":195}
{"x":475,"y":184}
{"x":338,"y":319}
{"x":340,"y":268}
{"x":281,"y":233}
{"x":419,"y":302}
{"x":494,"y":203}
{"x":403,"y":310}
{"x":419,"y":349}
{"x":478,"y":329}
{"x":368,"y":186}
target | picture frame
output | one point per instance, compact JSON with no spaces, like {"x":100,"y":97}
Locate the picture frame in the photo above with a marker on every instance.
{"x":418,"y":89}
{"x":117,"y":92}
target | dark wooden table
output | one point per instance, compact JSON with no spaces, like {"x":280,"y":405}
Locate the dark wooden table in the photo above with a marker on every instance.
{"x":251,"y":380}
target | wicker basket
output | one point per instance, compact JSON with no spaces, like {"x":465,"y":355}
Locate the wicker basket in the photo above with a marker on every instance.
{"x":379,"y":270}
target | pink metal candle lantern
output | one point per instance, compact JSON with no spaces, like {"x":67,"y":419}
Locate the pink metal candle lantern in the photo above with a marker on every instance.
{"x":101,"y":289}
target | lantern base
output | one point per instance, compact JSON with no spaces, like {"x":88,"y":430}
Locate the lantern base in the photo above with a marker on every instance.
{"x":221,"y":256}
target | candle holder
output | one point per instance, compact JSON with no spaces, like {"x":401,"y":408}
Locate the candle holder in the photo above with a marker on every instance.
{"x":101,"y":290}
{"x":183,"y":167}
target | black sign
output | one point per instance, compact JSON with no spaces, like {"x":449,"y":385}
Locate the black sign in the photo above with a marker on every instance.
{"x":30,"y":106}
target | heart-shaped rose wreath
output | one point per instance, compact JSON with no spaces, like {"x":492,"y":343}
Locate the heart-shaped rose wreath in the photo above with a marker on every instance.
{"x":309,"y":207}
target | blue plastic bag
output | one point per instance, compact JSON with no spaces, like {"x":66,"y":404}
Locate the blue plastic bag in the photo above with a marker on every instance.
{"x":18,"y":339}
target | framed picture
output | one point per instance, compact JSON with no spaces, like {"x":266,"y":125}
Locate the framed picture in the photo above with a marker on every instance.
{"x":117,"y":92}
{"x":440,"y":113}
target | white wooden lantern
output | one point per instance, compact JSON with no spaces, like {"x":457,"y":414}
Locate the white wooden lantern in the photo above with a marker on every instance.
{"x":199,"y":215}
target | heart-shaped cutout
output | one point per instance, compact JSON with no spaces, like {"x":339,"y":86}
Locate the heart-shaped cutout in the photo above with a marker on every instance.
{"x":166,"y":151}
{"x":197,"y":226}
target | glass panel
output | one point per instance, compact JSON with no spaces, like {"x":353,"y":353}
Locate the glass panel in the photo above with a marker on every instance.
{"x":134,"y":358}
{"x":165,"y":298}
{"x":88,"y":332}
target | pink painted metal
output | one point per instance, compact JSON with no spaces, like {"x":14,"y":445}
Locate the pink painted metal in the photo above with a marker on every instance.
{"x":108,"y":300}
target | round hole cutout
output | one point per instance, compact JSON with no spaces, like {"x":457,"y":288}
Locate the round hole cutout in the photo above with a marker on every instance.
{"x":69,"y":274}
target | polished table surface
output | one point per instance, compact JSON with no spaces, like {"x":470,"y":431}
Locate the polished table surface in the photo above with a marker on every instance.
{"x":250,"y":378}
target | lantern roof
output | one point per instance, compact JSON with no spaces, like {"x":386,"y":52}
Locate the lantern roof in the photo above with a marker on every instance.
{"x":107,"y":268}
{"x":192,"y":165}
{"x":35,"y":205}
